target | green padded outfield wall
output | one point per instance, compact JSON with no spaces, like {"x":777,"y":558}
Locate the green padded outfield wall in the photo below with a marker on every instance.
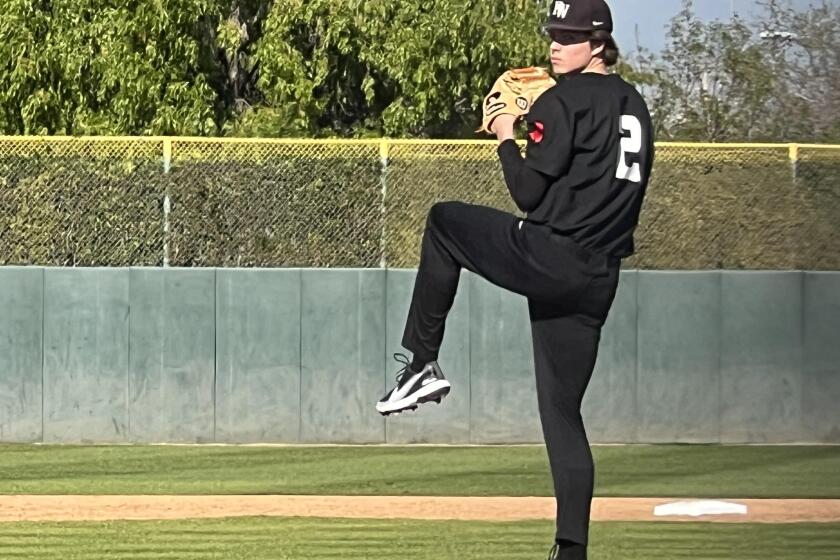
{"x":21,"y":353}
{"x":504,"y":394}
{"x":342,"y":355}
{"x":678,"y":357}
{"x":301,"y":355}
{"x":821,"y":356}
{"x":258,"y":355}
{"x":172,"y":340}
{"x":761,"y":357}
{"x":86,"y":350}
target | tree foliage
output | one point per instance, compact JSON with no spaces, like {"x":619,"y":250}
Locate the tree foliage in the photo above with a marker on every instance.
{"x":368,"y":68}
{"x":806,"y":103}
{"x":715,"y":84}
{"x":103,"y":66}
{"x":722,"y":81}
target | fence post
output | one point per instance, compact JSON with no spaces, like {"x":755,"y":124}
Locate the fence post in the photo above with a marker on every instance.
{"x":167,"y":161}
{"x":383,"y":183}
{"x":793,"y":154}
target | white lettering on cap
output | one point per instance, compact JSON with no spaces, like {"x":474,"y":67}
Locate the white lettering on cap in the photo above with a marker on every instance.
{"x":561,"y":9}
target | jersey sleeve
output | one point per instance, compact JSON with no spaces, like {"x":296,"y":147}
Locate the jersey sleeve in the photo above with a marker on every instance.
{"x":550,"y":134}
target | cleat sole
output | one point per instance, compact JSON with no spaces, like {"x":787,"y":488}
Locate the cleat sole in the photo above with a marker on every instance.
{"x":437,"y":396}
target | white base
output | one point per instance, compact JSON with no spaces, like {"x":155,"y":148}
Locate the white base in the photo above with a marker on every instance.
{"x":700,"y":507}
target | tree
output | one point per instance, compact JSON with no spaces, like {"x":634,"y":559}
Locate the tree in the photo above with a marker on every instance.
{"x":404,"y":68}
{"x":124,"y":67}
{"x":714,"y":83}
{"x":807,"y":92}
{"x":227,"y":58}
{"x":369,"y":68}
{"x":314,"y":67}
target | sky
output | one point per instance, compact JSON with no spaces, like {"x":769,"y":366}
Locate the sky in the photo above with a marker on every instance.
{"x":653,"y":16}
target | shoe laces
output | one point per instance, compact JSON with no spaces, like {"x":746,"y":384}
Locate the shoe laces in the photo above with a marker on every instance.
{"x":403,"y":359}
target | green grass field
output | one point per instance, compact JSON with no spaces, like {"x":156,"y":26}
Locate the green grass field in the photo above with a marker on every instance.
{"x":661,"y":470}
{"x":258,"y":538}
{"x":657,"y":470}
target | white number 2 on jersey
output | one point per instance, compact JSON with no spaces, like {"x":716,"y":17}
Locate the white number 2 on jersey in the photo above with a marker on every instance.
{"x":629,"y":145}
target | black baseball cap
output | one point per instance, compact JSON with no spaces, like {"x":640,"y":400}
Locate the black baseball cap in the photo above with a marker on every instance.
{"x":579,"y":15}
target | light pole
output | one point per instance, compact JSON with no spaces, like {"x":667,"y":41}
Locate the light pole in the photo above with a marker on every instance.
{"x":786,"y":38}
{"x":783,"y":36}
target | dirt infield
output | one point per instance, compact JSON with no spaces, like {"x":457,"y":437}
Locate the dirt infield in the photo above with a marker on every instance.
{"x":100,"y":508}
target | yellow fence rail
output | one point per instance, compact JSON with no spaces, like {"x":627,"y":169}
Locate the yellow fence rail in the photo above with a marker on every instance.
{"x":168,"y":201}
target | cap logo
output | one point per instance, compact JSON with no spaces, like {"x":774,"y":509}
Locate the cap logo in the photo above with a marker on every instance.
{"x":597,"y":23}
{"x":560,"y":10}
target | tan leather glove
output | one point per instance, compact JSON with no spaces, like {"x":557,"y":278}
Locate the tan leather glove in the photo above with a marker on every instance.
{"x":514,"y":93}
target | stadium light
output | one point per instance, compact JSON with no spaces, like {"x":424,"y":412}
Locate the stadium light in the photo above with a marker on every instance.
{"x":782,"y":35}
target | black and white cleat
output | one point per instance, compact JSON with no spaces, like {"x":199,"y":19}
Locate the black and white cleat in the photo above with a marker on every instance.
{"x":414,"y":388}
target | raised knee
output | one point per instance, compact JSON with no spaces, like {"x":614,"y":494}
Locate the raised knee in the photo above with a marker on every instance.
{"x":440,"y":213}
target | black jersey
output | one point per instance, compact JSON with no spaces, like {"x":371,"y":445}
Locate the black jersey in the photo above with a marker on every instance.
{"x":592,"y":134}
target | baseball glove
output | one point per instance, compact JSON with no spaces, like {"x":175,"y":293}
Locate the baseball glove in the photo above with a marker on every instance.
{"x":514,"y":93}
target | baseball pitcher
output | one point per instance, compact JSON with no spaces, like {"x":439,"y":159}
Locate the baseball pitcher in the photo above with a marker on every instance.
{"x":581,"y":183}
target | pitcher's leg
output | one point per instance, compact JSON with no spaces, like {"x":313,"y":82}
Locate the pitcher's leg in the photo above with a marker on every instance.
{"x":481,"y":239}
{"x":434,"y":290}
{"x":457,"y":235}
{"x":565,"y":347}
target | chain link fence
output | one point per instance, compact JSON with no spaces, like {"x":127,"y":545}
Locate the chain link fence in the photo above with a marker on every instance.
{"x":346,"y":203}
{"x":81,"y":202}
{"x":274,"y":204}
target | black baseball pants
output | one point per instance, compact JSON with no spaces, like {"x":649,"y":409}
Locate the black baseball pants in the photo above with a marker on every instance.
{"x":569,"y":290}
